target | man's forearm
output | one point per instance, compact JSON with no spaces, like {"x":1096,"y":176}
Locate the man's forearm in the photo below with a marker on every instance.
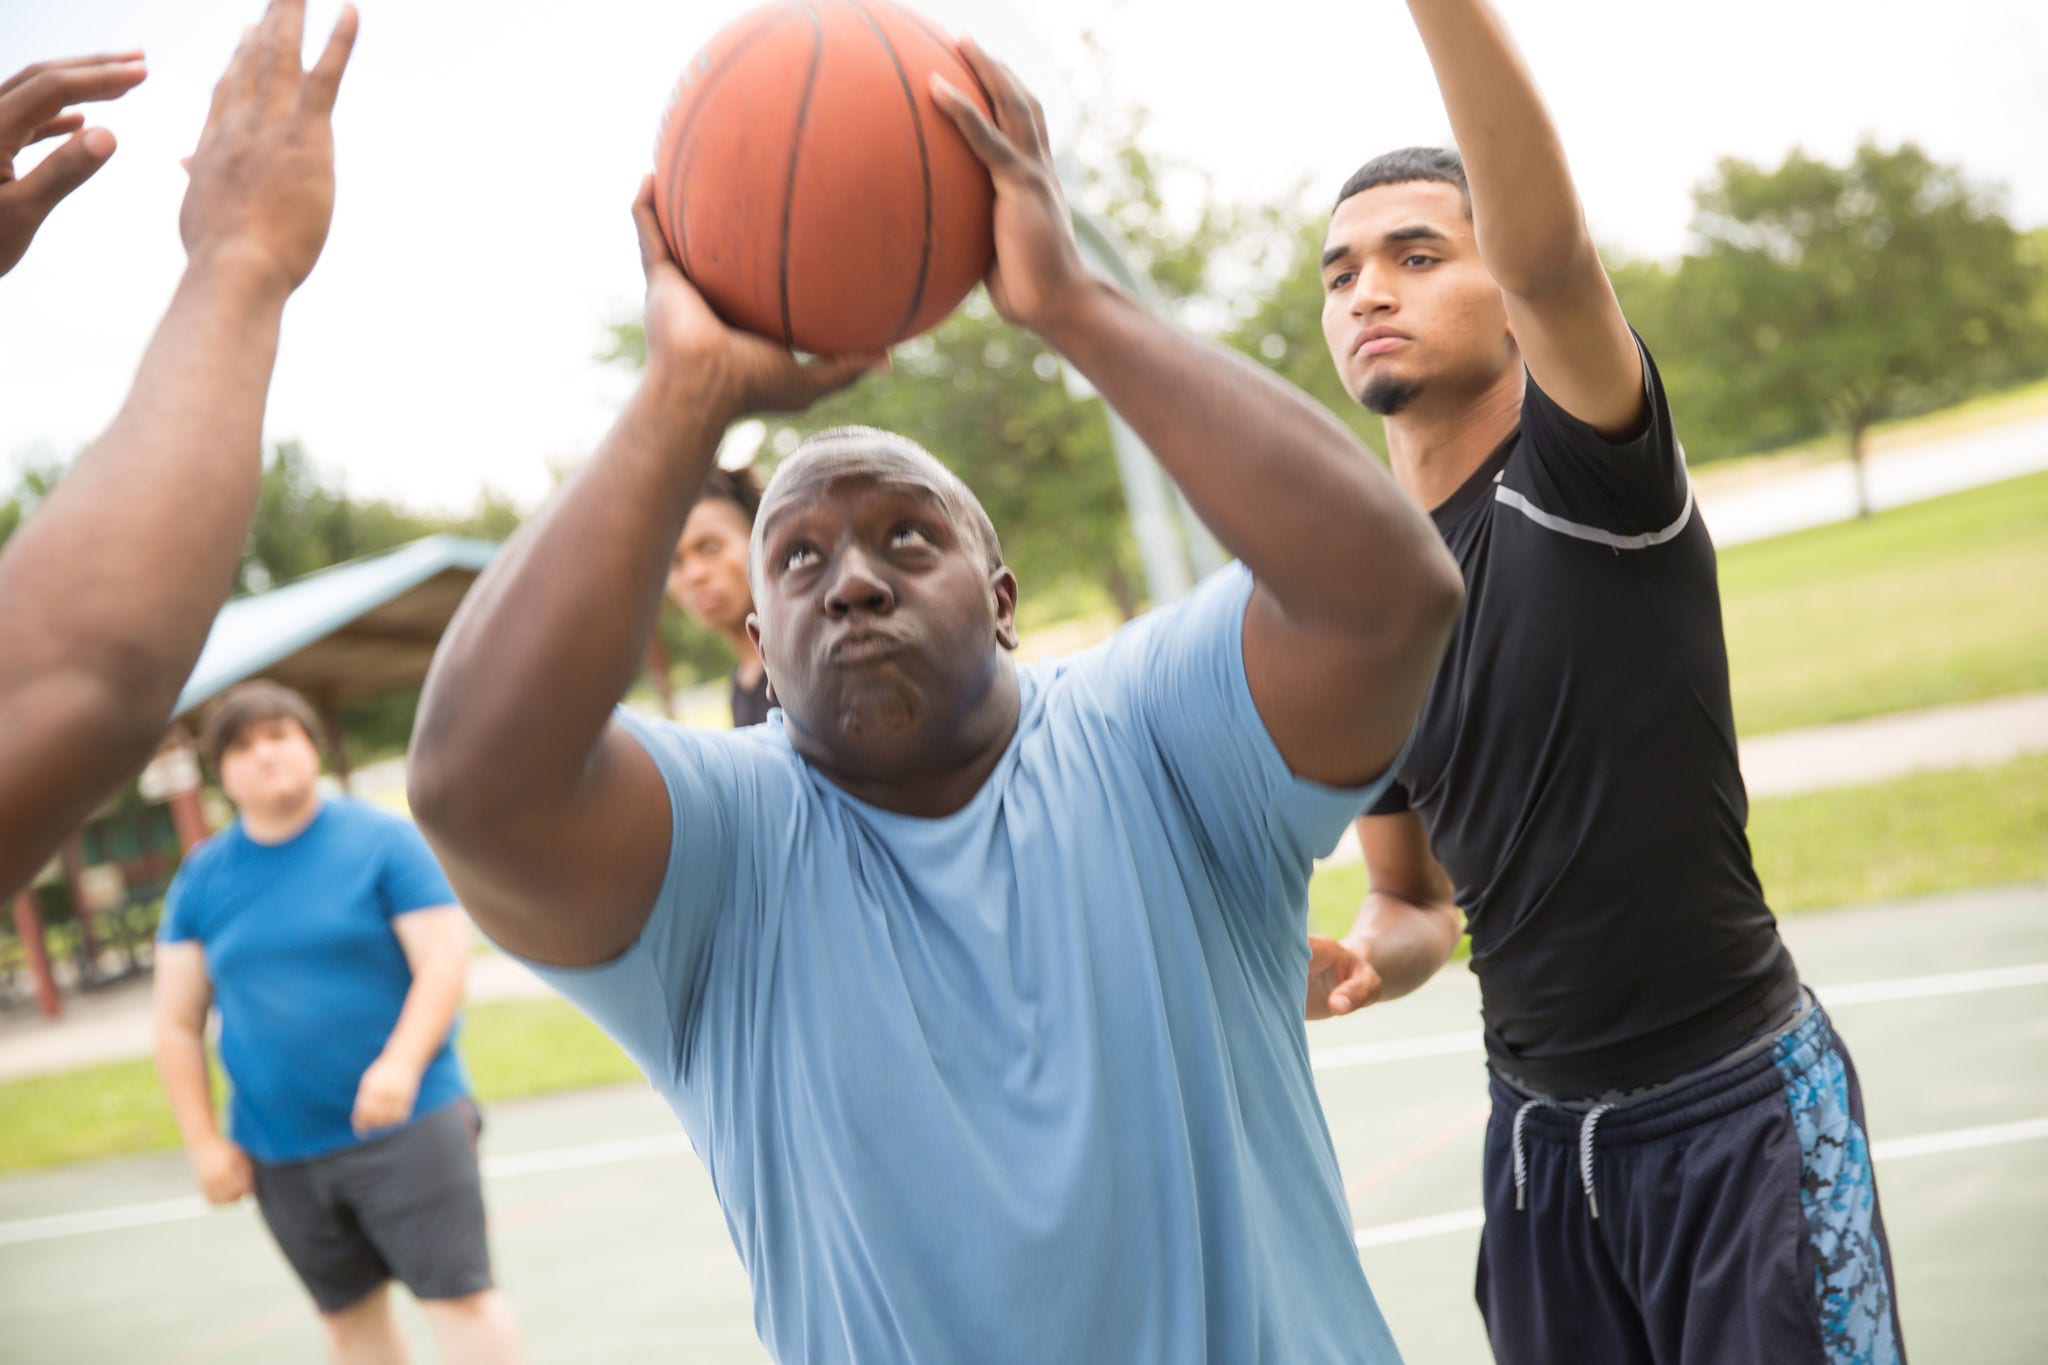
{"x":555,"y":631}
{"x":181,"y":1063}
{"x":1520,"y":182}
{"x":1280,"y":482}
{"x":108,"y":591}
{"x":429,"y":1010}
{"x":1405,"y":942}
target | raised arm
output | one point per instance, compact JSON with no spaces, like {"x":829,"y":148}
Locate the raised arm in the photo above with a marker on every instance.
{"x":550,"y":820}
{"x":108,"y":591}
{"x":1525,"y":212}
{"x":1356,"y":594}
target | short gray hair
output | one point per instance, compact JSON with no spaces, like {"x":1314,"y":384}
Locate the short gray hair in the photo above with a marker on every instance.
{"x":845,"y":445}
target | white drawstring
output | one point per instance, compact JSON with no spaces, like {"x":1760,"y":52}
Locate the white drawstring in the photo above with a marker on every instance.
{"x":1521,"y":1160}
{"x":1586,"y":1155}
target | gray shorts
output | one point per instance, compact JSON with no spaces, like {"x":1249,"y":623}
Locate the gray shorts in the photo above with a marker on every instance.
{"x":408,"y":1207}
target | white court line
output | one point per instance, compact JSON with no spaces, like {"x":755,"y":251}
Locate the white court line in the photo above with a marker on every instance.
{"x":596,"y":1154}
{"x":1920,"y":987}
{"x":1323,"y":1059}
{"x":1885,"y":1149}
{"x":103,"y":1220}
{"x":1859,"y":993}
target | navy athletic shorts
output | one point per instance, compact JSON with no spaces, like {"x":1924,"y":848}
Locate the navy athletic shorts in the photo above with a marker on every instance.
{"x":1731,"y":1216}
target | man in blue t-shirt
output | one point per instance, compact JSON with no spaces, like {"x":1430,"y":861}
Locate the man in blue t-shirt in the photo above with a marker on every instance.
{"x":976,"y":988}
{"x":333,"y":947}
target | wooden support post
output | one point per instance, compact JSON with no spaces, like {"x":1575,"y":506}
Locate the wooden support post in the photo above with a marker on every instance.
{"x":28,"y":923}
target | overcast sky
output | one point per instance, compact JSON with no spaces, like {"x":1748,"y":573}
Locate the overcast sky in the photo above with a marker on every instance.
{"x":481,"y":240}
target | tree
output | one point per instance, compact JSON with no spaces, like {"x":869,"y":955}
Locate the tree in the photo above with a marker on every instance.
{"x":1853,"y":293}
{"x":1283,"y":328}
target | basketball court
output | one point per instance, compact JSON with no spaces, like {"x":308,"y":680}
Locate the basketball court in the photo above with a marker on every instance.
{"x":612,"y":1248}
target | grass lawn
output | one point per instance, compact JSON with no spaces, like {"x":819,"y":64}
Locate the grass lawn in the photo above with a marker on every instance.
{"x":1939,"y":832}
{"x":512,"y":1048}
{"x":1934,"y":603}
{"x":1911,"y":836}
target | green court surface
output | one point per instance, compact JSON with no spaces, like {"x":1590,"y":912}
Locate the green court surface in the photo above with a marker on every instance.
{"x":612,"y":1248}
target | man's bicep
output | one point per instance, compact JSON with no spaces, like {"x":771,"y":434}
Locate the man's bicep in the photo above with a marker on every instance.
{"x":1339,"y":708}
{"x":435,"y":933}
{"x":571,"y":882}
{"x":1580,"y":351}
{"x":183,"y":991}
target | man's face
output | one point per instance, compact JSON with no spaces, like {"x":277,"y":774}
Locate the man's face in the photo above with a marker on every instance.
{"x":879,"y":618}
{"x":708,"y":577}
{"x":1408,"y":307}
{"x":271,"y":767}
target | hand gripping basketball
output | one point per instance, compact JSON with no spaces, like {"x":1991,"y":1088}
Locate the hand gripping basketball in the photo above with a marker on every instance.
{"x":1038,"y":267}
{"x":738,"y":371}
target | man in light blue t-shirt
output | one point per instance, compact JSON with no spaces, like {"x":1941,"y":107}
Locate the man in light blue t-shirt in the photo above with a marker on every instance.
{"x":977,"y":988}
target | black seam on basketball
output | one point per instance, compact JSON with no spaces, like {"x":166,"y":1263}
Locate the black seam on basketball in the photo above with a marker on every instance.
{"x":796,"y":145}
{"x":924,"y":166}
{"x":932,"y":30}
{"x":949,"y":47}
{"x":686,"y":149}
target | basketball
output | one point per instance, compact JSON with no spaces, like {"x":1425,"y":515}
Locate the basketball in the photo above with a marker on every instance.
{"x":811,"y":188}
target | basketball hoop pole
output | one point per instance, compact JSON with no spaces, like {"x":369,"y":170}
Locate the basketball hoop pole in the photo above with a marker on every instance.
{"x":1174,"y":547}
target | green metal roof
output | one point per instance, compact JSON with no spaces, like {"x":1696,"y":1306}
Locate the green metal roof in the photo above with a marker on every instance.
{"x":343,"y":633}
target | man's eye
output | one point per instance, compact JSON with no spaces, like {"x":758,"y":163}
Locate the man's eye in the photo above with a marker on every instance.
{"x":796,"y":556}
{"x":1419,"y":260}
{"x":1340,"y":279}
{"x":908,"y":535}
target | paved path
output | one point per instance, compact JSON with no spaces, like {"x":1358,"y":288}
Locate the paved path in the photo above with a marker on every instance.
{"x":1973,"y":735}
{"x":1826,"y":493}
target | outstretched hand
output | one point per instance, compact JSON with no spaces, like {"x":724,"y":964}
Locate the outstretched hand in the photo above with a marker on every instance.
{"x":33,"y":107}
{"x":685,"y":338}
{"x":1340,"y":980}
{"x":1038,"y":266}
{"x":262,"y":189}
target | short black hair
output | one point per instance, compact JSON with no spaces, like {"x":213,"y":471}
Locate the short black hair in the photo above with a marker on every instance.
{"x":1440,"y":164}
{"x":252,"y":703}
{"x":741,"y":487}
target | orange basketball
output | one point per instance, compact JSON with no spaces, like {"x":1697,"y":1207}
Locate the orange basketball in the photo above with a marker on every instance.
{"x":810,"y":186}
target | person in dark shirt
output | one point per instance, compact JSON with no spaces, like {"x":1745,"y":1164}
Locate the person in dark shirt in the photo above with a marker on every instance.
{"x":708,"y":579}
{"x":1677,"y":1166}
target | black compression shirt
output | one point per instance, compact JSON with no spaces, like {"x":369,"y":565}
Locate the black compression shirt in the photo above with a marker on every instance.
{"x":750,"y":704}
{"x":1575,"y":765}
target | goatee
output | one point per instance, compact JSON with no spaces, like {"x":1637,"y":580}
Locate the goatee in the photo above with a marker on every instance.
{"x":1388,"y":394}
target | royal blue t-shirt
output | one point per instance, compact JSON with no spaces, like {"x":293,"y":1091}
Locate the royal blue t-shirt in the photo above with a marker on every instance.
{"x":307,"y":970}
{"x":1028,"y":1082}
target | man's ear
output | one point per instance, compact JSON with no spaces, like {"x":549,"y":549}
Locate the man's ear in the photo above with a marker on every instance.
{"x":1003,"y":584}
{"x":754,"y":634}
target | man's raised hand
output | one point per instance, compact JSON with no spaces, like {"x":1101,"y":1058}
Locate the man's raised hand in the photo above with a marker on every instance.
{"x":736,"y":370}
{"x":34,"y":106}
{"x":1037,"y":265}
{"x":262,"y":190}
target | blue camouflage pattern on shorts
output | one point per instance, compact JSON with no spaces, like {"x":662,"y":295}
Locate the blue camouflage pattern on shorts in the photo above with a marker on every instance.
{"x":1838,"y":1194}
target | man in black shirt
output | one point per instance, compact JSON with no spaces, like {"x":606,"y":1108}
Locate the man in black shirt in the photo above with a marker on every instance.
{"x":708,"y":579}
{"x":1677,"y":1168}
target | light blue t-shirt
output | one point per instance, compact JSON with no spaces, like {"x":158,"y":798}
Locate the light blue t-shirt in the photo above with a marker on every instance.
{"x":1028,"y":1082}
{"x":307,"y":970}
